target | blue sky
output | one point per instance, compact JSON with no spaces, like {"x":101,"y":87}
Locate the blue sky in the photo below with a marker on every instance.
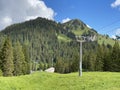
{"x":102,"y":15}
{"x":99,"y":14}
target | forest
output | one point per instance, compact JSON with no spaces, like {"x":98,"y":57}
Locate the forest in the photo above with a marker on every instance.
{"x":35,"y":44}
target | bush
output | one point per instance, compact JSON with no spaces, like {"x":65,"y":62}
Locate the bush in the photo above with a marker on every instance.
{"x":1,"y":73}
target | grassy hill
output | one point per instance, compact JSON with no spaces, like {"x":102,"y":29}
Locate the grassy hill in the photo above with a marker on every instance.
{"x":53,"y":81}
{"x":106,"y":40}
{"x":77,"y":27}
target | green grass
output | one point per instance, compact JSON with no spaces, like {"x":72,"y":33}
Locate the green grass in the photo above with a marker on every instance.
{"x":53,"y":81}
{"x":106,"y":41}
{"x":79,"y":31}
{"x":64,"y":38}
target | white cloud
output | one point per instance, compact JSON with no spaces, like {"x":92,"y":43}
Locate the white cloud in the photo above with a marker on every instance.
{"x":115,"y":4}
{"x":30,"y":17}
{"x":66,"y":20}
{"x":88,"y":26}
{"x":6,"y":21}
{"x":14,"y":11}
{"x":113,"y":36}
{"x":117,"y":32}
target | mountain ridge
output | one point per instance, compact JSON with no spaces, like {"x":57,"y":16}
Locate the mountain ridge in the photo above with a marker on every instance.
{"x":70,"y":29}
{"x":49,"y":41}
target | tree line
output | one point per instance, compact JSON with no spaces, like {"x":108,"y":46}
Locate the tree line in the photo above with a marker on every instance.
{"x":39,"y":45}
{"x":14,"y":61}
{"x":101,"y":58}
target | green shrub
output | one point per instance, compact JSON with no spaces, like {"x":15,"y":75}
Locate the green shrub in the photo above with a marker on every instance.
{"x":1,"y":73}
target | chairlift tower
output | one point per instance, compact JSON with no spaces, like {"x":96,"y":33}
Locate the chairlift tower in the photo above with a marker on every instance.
{"x":80,"y":39}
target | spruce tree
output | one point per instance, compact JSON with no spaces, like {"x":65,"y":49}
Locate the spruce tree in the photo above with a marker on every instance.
{"x":27,"y":60}
{"x":19,"y":60}
{"x":115,"y":56}
{"x":99,"y":64}
{"x":59,"y":67}
{"x":107,"y":58}
{"x":7,"y":58}
{"x":75,"y":63}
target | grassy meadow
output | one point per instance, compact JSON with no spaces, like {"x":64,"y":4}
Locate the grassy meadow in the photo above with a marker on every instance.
{"x":106,"y":41}
{"x":64,"y":38}
{"x":54,"y":81}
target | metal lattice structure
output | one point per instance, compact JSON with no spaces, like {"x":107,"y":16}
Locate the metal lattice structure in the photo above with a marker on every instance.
{"x":82,"y":39}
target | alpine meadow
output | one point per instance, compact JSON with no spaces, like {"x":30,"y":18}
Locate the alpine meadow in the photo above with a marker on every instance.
{"x":59,"y":45}
{"x":39,"y":44}
{"x":55,"y":81}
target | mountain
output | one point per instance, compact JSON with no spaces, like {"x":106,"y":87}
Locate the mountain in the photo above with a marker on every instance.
{"x":78,"y":27}
{"x":65,"y":32}
{"x":49,"y":41}
{"x":60,"y":32}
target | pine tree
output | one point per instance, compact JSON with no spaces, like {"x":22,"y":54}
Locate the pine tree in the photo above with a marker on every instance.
{"x":19,"y":60}
{"x":59,"y":67}
{"x":99,"y":64}
{"x":91,"y":61}
{"x":0,"y":59}
{"x":107,"y":61}
{"x":75,"y":63}
{"x":107,"y":58}
{"x":115,"y":56}
{"x":27,"y":59}
{"x":7,"y":58}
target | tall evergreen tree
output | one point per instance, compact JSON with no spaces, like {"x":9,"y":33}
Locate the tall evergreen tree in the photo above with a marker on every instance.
{"x":75,"y":63}
{"x":107,"y":61}
{"x":7,"y":58}
{"x":27,"y":59}
{"x":107,"y":58}
{"x":59,"y":67}
{"x":115,"y":56}
{"x":19,"y":60}
{"x":99,"y":64}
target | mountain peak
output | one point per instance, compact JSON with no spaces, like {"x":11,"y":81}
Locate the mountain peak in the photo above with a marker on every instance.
{"x":75,"y":21}
{"x":75,"y":24}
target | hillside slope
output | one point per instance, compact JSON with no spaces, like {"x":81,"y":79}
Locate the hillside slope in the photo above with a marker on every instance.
{"x":63,"y":32}
{"x":48,"y":41}
{"x":79,"y":28}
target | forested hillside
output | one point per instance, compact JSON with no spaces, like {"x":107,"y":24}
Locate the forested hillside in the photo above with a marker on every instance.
{"x":42,"y":41}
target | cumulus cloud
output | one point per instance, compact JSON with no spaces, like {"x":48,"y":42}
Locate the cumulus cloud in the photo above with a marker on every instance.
{"x":66,"y":20}
{"x":14,"y":11}
{"x":115,"y":4}
{"x":113,"y":36}
{"x":117,"y":32}
{"x":6,"y":21}
{"x":88,"y":26}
